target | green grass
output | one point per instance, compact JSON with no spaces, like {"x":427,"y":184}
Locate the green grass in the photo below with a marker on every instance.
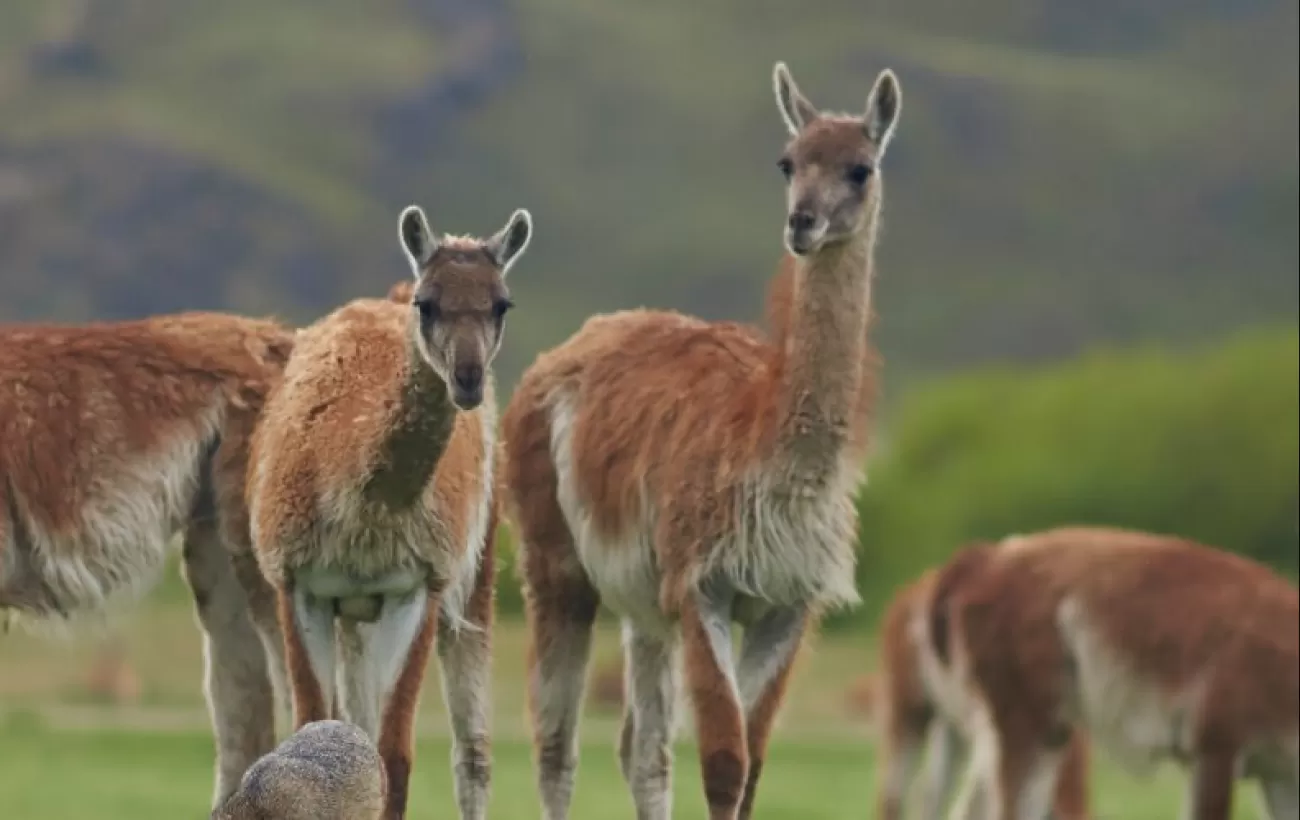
{"x":64,"y":753}
{"x":105,"y":774}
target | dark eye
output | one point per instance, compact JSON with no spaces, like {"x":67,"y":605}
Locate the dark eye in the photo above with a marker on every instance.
{"x":499,"y":308}
{"x":858,"y":174}
{"x":428,"y":310}
{"x":786,"y":167}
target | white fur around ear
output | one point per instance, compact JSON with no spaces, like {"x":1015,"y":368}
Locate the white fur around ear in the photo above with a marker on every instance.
{"x":883,"y":105}
{"x":508,"y":244}
{"x":794,"y":106}
{"x":417,"y":240}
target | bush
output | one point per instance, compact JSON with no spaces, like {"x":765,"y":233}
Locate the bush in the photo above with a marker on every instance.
{"x":1202,"y":445}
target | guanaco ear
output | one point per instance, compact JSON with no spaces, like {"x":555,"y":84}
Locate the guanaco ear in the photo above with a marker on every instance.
{"x":509,"y":242}
{"x":883,"y":104}
{"x":795,"y":108}
{"x":417,"y":240}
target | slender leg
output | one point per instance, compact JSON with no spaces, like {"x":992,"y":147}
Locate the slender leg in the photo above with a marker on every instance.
{"x":560,"y":620}
{"x":1281,"y":797}
{"x":978,"y":791}
{"x":388,"y":675}
{"x":947,"y":750}
{"x":309,"y":655}
{"x":263,"y":609}
{"x":237,"y":688}
{"x":375,"y":654}
{"x":1028,"y":789}
{"x":719,"y":719}
{"x":466,"y":663}
{"x":900,"y":755}
{"x":1072,"y":797}
{"x":767,"y":657}
{"x":645,"y":749}
{"x":1209,"y":787}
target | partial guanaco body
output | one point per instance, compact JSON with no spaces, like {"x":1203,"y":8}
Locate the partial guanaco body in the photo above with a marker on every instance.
{"x":691,"y":474}
{"x":372,"y":507}
{"x":328,"y":770}
{"x":114,"y":438}
{"x":924,"y":711}
{"x":1161,"y":649}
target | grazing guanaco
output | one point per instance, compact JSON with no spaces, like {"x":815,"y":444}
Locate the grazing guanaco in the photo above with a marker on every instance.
{"x":373,"y":512}
{"x":1162,"y":649}
{"x":921,"y":712}
{"x":114,"y":438}
{"x":690,"y":474}
{"x":328,"y":770}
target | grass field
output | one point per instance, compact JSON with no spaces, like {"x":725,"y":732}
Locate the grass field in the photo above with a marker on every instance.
{"x":66,"y":755}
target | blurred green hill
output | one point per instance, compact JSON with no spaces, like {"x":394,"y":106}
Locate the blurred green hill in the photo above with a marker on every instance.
{"x":1065,"y":173}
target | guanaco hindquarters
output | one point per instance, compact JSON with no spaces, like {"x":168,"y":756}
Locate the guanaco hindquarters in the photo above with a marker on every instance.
{"x":926,"y":711}
{"x":1160,"y":648}
{"x":114,"y":438}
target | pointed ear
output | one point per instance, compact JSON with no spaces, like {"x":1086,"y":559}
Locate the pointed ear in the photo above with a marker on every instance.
{"x":418,"y":241}
{"x":508,"y":243}
{"x":795,"y":108}
{"x":883,"y":104}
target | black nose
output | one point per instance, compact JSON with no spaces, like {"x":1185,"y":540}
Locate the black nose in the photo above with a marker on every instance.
{"x":802,"y":221}
{"x":469,"y":377}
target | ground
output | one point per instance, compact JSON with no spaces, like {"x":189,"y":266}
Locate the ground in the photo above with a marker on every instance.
{"x":66,"y":754}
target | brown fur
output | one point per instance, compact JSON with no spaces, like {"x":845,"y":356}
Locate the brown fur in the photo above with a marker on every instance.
{"x":1195,"y":644}
{"x":910,"y":711}
{"x":114,"y":437}
{"x":372,"y":495}
{"x":654,"y":454}
{"x":86,"y":412}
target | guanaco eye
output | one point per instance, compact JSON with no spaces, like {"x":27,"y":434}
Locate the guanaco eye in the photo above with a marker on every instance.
{"x":428,"y":310}
{"x":858,"y":174}
{"x":786,"y":167}
{"x":499,"y":308}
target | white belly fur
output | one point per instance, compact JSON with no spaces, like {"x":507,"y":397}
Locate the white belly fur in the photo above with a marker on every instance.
{"x":785,"y":549}
{"x":119,"y":540}
{"x":1134,"y":719}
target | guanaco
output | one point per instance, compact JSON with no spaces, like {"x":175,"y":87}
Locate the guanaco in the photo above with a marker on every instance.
{"x":114,"y":438}
{"x":690,"y":474}
{"x":373,"y":512}
{"x":1161,"y":648}
{"x":328,"y":770}
{"x":922,"y":712}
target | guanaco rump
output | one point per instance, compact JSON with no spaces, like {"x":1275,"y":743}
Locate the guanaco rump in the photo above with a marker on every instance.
{"x":922,"y":713}
{"x":328,"y":770}
{"x":691,"y":474}
{"x":114,"y":438}
{"x":373,"y":512}
{"x":1162,"y":649}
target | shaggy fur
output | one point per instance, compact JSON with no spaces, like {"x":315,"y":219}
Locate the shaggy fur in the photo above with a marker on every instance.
{"x":689,"y":474}
{"x":921,"y":707}
{"x":1160,"y":648}
{"x":373,"y":513}
{"x":114,"y":438}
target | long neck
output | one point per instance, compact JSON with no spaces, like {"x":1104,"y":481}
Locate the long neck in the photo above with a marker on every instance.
{"x":419,"y":426}
{"x":824,"y":349}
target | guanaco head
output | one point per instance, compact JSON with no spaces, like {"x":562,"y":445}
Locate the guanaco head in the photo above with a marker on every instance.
{"x":832,"y":162}
{"x":459,"y":300}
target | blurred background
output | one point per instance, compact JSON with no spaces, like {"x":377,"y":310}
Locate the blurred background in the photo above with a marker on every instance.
{"x":1087,"y":287}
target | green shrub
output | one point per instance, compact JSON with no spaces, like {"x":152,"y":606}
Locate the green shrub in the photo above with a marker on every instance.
{"x":1202,"y":445}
